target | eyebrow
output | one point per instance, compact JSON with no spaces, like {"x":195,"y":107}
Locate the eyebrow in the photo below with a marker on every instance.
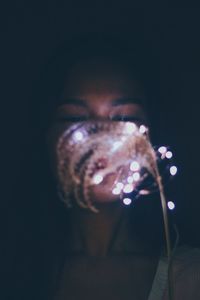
{"x":74,"y":101}
{"x":115,"y":102}
{"x":130,"y":100}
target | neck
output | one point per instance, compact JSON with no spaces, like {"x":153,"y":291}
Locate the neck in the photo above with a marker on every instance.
{"x":95,"y":233}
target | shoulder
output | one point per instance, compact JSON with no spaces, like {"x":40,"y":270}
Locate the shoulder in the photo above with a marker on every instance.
{"x":186,"y":273}
{"x":186,"y":259}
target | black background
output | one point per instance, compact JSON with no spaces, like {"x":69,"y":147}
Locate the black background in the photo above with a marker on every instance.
{"x":33,"y":29}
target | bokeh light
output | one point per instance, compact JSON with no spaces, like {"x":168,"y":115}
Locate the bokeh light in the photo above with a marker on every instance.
{"x":127,"y":201}
{"x":171,"y":205}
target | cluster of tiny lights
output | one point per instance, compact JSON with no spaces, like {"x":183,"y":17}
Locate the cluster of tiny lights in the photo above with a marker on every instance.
{"x":173,"y":170}
{"x":117,"y":157}
{"x":128,"y":186}
{"x":171,"y":205}
{"x":127,"y":201}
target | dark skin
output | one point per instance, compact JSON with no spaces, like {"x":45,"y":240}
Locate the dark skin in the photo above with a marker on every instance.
{"x":102,"y":242}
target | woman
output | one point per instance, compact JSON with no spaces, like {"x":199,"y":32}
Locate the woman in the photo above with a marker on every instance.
{"x":115,"y":253}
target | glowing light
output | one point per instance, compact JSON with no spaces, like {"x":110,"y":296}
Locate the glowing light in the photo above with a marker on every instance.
{"x":130,"y":128}
{"x":144,"y":192}
{"x":127,"y":201}
{"x":128,"y":188}
{"x":142,"y":129}
{"x":135,"y":166}
{"x":116,"y":145}
{"x":119,"y":185}
{"x":162,"y":150}
{"x":116,"y":191}
{"x":130,"y":179}
{"x":98,"y":179}
{"x":170,"y":205}
{"x":169,"y":154}
{"x":136,"y":176}
{"x":173,"y":170}
{"x":78,"y":135}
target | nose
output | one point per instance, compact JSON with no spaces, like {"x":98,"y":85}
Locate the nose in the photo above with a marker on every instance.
{"x":101,"y":112}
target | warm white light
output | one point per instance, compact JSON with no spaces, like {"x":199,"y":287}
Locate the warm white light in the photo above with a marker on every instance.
{"x":173,"y":170}
{"x":130,"y":128}
{"x":144,"y":192}
{"x":116,"y":145}
{"x":127,"y":201}
{"x":142,"y":129}
{"x":162,"y":149}
{"x":128,"y":188}
{"x":136,"y":176}
{"x":119,"y":185}
{"x":135,"y":166}
{"x":130,"y":179}
{"x":78,"y":135}
{"x":171,"y":205}
{"x":97,"y":179}
{"x":116,"y":191}
{"x":169,"y":154}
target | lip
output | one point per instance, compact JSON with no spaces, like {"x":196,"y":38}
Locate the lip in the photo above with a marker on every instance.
{"x":109,"y":179}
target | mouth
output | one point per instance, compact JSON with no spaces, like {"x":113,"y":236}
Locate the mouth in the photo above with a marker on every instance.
{"x":109,"y":180}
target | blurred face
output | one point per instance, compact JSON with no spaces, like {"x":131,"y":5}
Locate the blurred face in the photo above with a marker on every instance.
{"x":96,"y":90}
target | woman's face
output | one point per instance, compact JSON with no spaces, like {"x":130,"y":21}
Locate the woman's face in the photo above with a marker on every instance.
{"x":97,"y":90}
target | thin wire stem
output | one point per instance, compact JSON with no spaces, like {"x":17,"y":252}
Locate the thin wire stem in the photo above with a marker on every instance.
{"x":165,"y":217}
{"x":167,"y":234}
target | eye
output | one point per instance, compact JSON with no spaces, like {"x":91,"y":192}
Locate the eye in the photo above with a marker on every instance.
{"x":127,"y":119}
{"x":71,"y":113}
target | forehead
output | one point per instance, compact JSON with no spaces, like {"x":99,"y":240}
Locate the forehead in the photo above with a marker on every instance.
{"x":100,"y":77}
